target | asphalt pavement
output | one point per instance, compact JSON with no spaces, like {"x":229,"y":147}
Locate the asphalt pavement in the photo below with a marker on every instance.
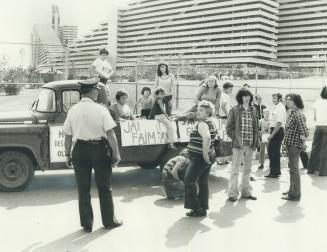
{"x":45,"y":216}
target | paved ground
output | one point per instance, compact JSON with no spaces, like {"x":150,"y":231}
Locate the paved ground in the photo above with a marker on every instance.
{"x":45,"y":217}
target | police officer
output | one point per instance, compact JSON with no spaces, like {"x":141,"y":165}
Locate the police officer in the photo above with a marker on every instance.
{"x":91,"y":125}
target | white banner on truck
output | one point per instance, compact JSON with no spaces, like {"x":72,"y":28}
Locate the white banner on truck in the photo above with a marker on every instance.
{"x":57,"y":147}
{"x":143,"y":132}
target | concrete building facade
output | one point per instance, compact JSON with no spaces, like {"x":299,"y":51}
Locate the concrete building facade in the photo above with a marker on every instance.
{"x":83,"y":51}
{"x":302,"y":33}
{"x":200,"y":32}
{"x":46,"y":46}
{"x":68,"y":33}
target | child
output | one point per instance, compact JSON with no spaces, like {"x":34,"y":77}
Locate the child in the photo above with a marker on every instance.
{"x":145,"y":102}
{"x":121,"y":109}
{"x":264,"y":133}
{"x":158,"y":112}
{"x":173,"y":175}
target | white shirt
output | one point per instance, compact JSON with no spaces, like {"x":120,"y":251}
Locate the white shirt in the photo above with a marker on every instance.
{"x":88,"y":120}
{"x":167,"y":84}
{"x":102,"y":66}
{"x":278,"y":115}
{"x":225,"y":98}
{"x":321,"y":115}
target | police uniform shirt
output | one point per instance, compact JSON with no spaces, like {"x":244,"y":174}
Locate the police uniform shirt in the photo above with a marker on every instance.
{"x":88,"y":120}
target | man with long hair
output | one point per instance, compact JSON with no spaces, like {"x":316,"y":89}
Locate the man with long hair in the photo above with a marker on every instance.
{"x":242,"y":128}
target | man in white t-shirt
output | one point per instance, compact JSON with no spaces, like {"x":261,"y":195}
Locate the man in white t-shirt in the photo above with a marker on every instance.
{"x":102,"y":67}
{"x":277,"y":124}
{"x":224,"y":108}
{"x":226,"y":100}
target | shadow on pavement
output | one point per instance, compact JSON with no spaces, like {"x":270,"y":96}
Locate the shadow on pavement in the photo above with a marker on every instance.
{"x":319,"y":181}
{"x":71,"y":242}
{"x":290,"y":212}
{"x":216,"y":184}
{"x":133,"y":182}
{"x":229,"y":213}
{"x":55,"y":188}
{"x":183,"y":230}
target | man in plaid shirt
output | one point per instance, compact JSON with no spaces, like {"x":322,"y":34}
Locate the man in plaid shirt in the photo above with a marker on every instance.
{"x":296,"y":133}
{"x":242,"y":128}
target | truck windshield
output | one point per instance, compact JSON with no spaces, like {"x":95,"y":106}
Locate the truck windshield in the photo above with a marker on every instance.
{"x":46,"y":101}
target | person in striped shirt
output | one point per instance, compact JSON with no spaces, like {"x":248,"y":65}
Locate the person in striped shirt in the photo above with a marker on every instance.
{"x":202,"y":156}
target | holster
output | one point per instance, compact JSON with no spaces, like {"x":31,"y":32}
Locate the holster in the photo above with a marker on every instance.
{"x":107,"y":147}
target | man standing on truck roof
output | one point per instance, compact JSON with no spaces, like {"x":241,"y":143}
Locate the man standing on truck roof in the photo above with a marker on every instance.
{"x":91,"y":125}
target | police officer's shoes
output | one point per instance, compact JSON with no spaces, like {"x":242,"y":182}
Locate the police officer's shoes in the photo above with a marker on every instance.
{"x":116,"y":223}
{"x":87,"y":228}
{"x":197,"y":213}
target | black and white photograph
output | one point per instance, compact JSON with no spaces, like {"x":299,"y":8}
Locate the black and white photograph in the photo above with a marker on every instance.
{"x":163,"y":125}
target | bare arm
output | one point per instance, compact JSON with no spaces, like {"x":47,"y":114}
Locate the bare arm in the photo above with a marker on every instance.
{"x":277,"y":127}
{"x":203,"y":129}
{"x":111,"y":136}
{"x":68,"y":146}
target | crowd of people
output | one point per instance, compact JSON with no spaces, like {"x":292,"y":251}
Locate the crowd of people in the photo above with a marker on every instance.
{"x":250,"y":127}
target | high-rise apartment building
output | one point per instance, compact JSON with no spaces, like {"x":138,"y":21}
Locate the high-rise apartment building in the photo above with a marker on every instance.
{"x":83,"y":51}
{"x":199,"y":32}
{"x":67,"y":34}
{"x":302,"y":33}
{"x":46,"y":46}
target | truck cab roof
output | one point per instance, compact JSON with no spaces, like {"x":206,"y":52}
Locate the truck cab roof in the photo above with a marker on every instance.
{"x":61,"y":84}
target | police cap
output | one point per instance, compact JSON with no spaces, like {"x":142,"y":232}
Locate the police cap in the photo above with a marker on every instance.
{"x":90,"y":83}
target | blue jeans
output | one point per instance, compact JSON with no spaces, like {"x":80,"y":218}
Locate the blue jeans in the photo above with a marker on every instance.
{"x":293,"y":162}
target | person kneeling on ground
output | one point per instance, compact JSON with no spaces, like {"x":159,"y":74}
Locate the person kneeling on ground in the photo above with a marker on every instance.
{"x":173,"y":175}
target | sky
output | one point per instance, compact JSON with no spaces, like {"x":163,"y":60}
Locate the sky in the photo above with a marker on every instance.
{"x":18,"y":16}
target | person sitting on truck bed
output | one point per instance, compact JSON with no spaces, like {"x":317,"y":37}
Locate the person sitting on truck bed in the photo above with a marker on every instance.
{"x":121,"y":108}
{"x":173,"y":175}
{"x":158,"y":112}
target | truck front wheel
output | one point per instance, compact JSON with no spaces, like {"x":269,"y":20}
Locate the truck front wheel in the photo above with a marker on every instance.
{"x":16,"y":171}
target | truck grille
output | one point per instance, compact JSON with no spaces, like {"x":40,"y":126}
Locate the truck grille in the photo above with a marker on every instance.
{"x":10,"y":122}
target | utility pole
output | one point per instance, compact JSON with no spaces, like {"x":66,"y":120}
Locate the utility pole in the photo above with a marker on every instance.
{"x":66,"y":60}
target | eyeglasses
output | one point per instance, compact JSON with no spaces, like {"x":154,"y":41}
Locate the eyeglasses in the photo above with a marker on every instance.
{"x":289,"y":99}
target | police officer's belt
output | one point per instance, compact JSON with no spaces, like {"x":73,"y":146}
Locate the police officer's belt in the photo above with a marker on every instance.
{"x":95,"y":142}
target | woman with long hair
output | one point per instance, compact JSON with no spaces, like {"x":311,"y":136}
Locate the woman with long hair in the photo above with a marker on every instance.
{"x":166,"y":81}
{"x":296,"y":132}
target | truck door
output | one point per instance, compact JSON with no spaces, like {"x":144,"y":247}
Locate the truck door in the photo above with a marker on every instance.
{"x":67,"y":98}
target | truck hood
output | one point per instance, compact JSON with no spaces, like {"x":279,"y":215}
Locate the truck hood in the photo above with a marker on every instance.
{"x":17,"y":117}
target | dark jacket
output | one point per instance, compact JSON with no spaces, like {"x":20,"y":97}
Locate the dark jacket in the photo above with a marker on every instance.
{"x":259,"y":111}
{"x":233,"y":127}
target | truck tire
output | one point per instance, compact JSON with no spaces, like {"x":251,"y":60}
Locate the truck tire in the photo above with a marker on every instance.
{"x":16,"y":171}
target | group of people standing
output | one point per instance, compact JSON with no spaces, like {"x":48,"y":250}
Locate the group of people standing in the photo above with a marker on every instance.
{"x":247,"y":125}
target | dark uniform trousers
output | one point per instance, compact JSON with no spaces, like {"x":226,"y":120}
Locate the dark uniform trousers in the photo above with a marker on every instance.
{"x":85,"y":156}
{"x":273,"y":150}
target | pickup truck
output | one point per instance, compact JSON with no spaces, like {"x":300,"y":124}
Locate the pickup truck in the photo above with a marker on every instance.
{"x":33,"y":140}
